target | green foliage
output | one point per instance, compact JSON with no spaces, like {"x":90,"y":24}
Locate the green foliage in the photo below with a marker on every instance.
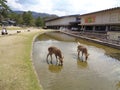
{"x":4,"y":9}
{"x":28,"y":18}
{"x":21,"y":19}
{"x":25,"y":18}
{"x":39,"y":22}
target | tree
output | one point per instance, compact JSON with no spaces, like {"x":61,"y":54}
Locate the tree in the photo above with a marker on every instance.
{"x":39,"y":22}
{"x":20,"y":20}
{"x":28,"y":18}
{"x":4,"y":9}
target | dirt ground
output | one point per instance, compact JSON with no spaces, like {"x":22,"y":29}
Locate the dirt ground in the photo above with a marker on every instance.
{"x":16,"y":69}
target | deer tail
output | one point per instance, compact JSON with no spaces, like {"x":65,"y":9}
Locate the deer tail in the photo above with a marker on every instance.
{"x":78,"y":43}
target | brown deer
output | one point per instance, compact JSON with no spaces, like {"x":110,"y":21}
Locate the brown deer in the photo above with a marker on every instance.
{"x":82,"y":49}
{"x":57,"y":52}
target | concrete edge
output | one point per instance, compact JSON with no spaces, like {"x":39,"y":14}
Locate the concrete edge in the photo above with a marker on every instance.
{"x":32,"y":58}
{"x":94,"y":40}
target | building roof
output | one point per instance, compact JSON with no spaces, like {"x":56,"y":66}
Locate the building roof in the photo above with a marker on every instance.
{"x":77,"y":15}
{"x":116,"y":8}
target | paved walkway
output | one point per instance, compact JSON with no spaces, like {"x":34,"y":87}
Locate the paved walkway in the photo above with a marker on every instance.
{"x":106,"y":42}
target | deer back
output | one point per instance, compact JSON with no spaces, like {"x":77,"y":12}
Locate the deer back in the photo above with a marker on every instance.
{"x":56,"y":51}
{"x":83,"y":49}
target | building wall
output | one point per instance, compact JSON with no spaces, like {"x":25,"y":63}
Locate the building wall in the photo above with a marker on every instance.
{"x":101,"y":18}
{"x":61,"y":21}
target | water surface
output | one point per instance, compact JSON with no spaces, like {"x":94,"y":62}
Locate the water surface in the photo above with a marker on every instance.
{"x":100,"y":72}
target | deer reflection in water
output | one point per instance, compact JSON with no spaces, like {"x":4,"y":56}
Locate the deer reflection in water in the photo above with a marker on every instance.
{"x":81,"y":64}
{"x":55,"y":69}
{"x":57,"y":52}
{"x":118,"y":86}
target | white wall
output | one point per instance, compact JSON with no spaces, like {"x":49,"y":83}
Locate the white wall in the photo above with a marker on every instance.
{"x":61,"y":21}
{"x":106,"y":17}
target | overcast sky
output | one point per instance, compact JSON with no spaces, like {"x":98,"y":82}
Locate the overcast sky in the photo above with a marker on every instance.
{"x":63,"y":7}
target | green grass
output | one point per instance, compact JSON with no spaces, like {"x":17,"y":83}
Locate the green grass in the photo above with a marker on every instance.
{"x":16,"y":68}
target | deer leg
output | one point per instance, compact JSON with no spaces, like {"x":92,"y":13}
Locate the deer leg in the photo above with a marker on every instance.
{"x":82,"y":56}
{"x":47,"y":58}
{"x":57,"y":61}
{"x":86,"y":57}
{"x":51,"y":58}
{"x":78,"y":54}
{"x":61,"y":62}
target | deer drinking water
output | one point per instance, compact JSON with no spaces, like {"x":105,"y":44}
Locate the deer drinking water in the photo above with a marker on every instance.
{"x":84,"y":51}
{"x":57,"y":52}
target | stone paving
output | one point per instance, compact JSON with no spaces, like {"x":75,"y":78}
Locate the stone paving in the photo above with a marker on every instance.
{"x":107,"y":42}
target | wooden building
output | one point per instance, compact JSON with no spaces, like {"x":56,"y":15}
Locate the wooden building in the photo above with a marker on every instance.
{"x":104,"y":22}
{"x":68,"y":22}
{"x":101,"y":21}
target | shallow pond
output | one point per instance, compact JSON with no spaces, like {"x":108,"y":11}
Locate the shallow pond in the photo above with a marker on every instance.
{"x":100,"y":72}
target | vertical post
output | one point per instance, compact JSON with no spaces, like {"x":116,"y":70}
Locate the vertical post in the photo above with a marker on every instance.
{"x":106,"y":28}
{"x":93,"y":28}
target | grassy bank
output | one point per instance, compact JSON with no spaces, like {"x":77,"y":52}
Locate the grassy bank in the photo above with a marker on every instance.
{"x":16,"y":70}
